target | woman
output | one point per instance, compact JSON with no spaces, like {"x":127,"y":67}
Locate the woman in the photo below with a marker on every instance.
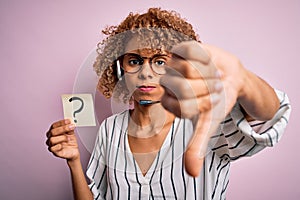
{"x":195,"y":111}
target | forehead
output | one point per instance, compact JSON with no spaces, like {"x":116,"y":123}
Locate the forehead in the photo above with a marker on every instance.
{"x":147,"y":52}
{"x":143,"y":47}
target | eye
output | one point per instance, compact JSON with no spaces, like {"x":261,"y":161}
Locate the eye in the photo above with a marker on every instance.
{"x":133,"y":61}
{"x":160,"y":62}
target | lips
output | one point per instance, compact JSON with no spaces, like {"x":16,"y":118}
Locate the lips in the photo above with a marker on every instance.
{"x":144,"y":88}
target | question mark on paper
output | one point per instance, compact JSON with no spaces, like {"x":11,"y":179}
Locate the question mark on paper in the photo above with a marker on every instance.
{"x":79,"y":109}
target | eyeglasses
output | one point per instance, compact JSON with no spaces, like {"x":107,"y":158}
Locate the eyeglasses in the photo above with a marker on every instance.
{"x":132,"y":63}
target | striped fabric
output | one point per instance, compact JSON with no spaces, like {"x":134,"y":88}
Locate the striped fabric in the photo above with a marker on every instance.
{"x":114,"y":173}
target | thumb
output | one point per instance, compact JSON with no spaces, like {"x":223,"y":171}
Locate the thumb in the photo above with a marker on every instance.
{"x":206,"y":126}
{"x":196,"y":150}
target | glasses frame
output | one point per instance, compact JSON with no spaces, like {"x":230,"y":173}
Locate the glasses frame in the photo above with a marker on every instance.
{"x":142,"y":59}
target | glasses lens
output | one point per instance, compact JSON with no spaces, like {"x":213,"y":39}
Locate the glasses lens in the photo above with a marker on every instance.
{"x":159,"y":63}
{"x":132,"y":63}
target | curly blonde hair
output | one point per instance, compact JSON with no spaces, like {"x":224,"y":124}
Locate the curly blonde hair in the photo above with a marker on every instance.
{"x":157,"y":28}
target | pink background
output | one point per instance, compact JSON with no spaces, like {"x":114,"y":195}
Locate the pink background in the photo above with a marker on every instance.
{"x":43,"y":44}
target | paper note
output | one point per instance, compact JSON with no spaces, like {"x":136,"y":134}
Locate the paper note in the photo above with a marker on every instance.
{"x":79,"y":108}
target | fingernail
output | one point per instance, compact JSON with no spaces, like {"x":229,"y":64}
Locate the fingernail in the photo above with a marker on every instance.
{"x":71,"y":126}
{"x":218,"y":86}
{"x":214,"y":98}
{"x":218,"y":74}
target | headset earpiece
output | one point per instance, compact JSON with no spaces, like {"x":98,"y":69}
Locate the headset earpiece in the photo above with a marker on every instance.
{"x":119,"y":71}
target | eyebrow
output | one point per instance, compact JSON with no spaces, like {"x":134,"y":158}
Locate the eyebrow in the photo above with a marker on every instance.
{"x":153,"y":56}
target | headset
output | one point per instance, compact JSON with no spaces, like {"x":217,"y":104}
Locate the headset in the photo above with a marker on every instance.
{"x":120,"y":72}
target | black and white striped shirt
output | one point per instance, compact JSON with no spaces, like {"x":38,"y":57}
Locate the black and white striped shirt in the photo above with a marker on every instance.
{"x":114,"y":173}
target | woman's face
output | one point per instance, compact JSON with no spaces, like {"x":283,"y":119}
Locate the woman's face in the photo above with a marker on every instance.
{"x":143,"y":69}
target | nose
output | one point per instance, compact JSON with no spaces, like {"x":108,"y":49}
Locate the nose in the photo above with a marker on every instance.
{"x":146,"y":71}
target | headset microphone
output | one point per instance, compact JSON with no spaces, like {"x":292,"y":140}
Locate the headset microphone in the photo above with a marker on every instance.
{"x":147,"y":102}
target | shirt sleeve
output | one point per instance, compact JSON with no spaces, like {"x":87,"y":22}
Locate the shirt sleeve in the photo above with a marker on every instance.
{"x":96,"y":169}
{"x":239,"y":138}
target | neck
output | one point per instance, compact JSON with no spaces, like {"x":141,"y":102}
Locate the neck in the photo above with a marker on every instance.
{"x":149,"y":120}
